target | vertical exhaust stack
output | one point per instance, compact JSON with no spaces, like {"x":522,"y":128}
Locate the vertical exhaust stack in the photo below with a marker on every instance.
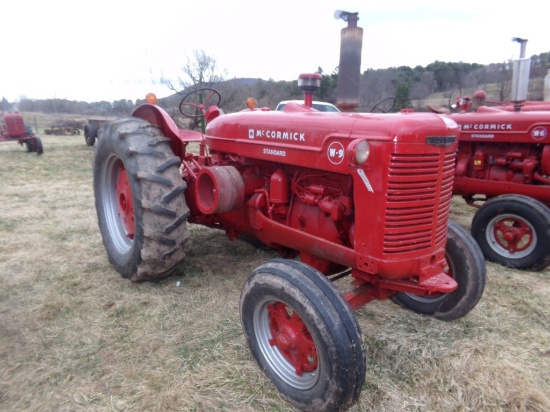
{"x":349,"y":70}
{"x":547,"y":85}
{"x":520,"y":76}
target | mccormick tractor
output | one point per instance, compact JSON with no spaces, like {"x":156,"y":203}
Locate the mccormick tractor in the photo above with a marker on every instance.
{"x":503,"y":169}
{"x":364,"y":196}
{"x":12,"y":128}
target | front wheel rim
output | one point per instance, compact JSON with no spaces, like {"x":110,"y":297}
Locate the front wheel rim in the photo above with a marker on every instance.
{"x":286,"y":344}
{"x":511,"y":236}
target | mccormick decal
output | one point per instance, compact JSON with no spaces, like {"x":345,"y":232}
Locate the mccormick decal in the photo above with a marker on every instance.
{"x":485,"y":126}
{"x":277,"y":135}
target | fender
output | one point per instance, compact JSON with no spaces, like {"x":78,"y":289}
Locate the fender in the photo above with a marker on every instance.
{"x":158,"y":116}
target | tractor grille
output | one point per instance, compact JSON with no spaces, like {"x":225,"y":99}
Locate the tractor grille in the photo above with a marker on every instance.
{"x":418,"y":201}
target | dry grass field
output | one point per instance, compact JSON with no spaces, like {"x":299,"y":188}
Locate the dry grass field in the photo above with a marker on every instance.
{"x":75,"y":336}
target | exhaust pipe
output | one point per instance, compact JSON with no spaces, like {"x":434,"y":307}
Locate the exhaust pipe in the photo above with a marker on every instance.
{"x":349,"y":70}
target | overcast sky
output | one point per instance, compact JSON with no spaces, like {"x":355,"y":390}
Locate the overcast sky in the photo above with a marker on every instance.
{"x":112,"y":50}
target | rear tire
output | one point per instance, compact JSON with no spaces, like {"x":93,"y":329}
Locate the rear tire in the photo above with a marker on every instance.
{"x":139,"y":199}
{"x":89,"y":134}
{"x":39,"y":149}
{"x":514,"y":231}
{"x":304,"y":336}
{"x":466,"y":266}
{"x":34,"y":144}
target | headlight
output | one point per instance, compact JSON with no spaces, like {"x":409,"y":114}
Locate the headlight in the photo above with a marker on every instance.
{"x":362,"y":151}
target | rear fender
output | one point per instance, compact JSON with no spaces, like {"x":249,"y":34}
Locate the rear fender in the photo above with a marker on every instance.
{"x":157,"y":116}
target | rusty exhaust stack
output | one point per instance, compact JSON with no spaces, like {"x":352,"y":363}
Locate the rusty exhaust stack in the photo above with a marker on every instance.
{"x":349,"y":70}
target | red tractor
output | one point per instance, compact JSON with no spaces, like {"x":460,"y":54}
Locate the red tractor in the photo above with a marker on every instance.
{"x":12,"y":128}
{"x":360,"y":195}
{"x":503,"y":169}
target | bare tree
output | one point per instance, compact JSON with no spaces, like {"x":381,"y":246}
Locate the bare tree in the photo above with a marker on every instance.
{"x":201,"y":71}
{"x":503,"y":81}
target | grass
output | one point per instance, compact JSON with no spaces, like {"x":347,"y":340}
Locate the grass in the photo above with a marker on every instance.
{"x":75,"y":336}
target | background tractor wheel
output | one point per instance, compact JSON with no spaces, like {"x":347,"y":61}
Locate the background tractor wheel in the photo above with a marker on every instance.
{"x":139,"y":199}
{"x":304,"y":336}
{"x":34,"y":145}
{"x":89,"y":134}
{"x":514,"y":231}
{"x":39,"y":149}
{"x":466,"y":265}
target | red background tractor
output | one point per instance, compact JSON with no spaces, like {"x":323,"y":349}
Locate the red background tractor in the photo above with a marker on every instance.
{"x":503,"y":169}
{"x":12,"y":128}
{"x":363,"y":196}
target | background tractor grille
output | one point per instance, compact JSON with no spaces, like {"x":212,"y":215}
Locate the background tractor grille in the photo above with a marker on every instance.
{"x":418,"y":201}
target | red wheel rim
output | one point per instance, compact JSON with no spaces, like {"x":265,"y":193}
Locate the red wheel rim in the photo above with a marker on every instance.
{"x":291,"y":336}
{"x":513,"y":234}
{"x":125,"y":203}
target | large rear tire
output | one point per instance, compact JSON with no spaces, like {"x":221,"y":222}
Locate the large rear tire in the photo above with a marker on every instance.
{"x":304,"y":335}
{"x":514,"y":231}
{"x":466,"y":265}
{"x":139,"y":199}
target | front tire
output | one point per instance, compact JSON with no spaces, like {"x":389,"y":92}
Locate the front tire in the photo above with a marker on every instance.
{"x":466,"y":265}
{"x":304,"y":335}
{"x":514,"y":231}
{"x":139,"y":199}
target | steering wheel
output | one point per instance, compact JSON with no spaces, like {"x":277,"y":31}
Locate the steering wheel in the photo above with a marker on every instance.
{"x":389,"y":102}
{"x":454,"y":97}
{"x":196,"y":100}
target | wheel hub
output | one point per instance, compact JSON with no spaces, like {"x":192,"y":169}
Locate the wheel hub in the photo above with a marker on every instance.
{"x":284,"y":342}
{"x":289,"y":333}
{"x":125,"y":203}
{"x":513,"y":235}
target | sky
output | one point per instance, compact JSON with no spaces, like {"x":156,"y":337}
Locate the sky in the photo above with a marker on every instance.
{"x":119,"y":49}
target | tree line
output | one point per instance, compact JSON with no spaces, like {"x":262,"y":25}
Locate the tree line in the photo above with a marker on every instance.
{"x":411,"y":87}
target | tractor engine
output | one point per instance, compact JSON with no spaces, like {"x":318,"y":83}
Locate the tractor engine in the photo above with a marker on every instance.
{"x":506,"y":162}
{"x":306,"y":200}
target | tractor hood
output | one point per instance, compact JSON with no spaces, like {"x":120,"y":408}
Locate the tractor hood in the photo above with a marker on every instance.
{"x":321,"y":139}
